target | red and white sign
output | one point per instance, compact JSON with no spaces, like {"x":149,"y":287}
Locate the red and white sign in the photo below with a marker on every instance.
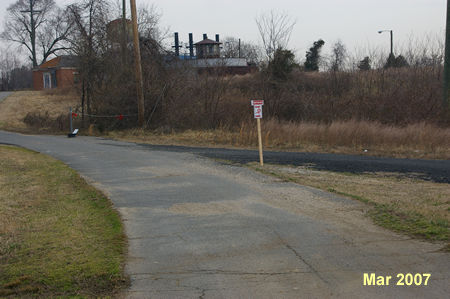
{"x":257,"y":102}
{"x":257,"y":108}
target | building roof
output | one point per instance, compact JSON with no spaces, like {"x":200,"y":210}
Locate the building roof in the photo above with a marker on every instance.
{"x":208,"y":42}
{"x":119,"y":21}
{"x":60,"y":61}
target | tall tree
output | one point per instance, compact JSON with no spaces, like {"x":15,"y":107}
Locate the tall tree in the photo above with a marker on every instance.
{"x":313,"y":56}
{"x":275,"y":29}
{"x":39,"y":26}
{"x":89,"y":41}
{"x":338,"y":57}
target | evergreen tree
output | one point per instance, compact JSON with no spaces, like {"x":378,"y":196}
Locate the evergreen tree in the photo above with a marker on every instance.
{"x":398,"y":61}
{"x":313,"y":56}
{"x":364,"y":65}
{"x":282,"y":64}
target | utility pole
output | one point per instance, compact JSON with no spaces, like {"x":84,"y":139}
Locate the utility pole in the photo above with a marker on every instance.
{"x":137,"y":64}
{"x":239,"y":49}
{"x":32,"y":31}
{"x":124,"y":32}
{"x":446,"y":92}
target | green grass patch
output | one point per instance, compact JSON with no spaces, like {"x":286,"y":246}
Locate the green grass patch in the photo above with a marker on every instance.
{"x":59,"y":236}
{"x":411,"y":223}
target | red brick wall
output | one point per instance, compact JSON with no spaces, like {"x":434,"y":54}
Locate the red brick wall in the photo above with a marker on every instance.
{"x":64,"y":78}
{"x":38,"y":80}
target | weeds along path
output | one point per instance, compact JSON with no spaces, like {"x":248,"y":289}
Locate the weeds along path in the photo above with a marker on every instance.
{"x":199,"y":229}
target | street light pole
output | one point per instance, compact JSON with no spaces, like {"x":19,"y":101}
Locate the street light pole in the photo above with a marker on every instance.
{"x":392,"y":39}
{"x":392,"y":42}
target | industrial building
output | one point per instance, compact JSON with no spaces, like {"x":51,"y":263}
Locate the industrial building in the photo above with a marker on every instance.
{"x":207,"y":57}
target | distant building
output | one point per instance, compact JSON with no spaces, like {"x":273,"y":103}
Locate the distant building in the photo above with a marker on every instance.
{"x":207,"y":48}
{"x":114,"y":31}
{"x":208,"y":58}
{"x":58,"y":72}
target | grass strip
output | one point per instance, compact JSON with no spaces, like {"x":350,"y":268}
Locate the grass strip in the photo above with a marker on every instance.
{"x":59,"y":236}
{"x":395,"y":203}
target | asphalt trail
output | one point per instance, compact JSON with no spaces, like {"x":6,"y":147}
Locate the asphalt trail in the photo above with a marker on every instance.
{"x":430,"y":170}
{"x":201,"y":229}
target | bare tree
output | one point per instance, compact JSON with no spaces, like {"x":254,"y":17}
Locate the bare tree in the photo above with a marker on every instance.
{"x":338,"y":56}
{"x":38,"y":25}
{"x":13,"y":74}
{"x":233,"y":49}
{"x":275,"y":29}
{"x":88,"y":41}
{"x":149,"y":18}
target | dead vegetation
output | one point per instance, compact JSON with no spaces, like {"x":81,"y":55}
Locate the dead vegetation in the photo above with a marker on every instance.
{"x":34,"y":111}
{"x":420,"y":140}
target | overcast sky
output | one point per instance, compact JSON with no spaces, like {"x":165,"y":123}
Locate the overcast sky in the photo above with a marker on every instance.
{"x":355,"y":22}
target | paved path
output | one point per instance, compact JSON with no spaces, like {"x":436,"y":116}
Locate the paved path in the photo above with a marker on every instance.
{"x":198,"y":229}
{"x":4,"y":95}
{"x":432,"y":170}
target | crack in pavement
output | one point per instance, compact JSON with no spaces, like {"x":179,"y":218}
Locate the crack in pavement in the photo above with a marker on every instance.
{"x":313,"y":270}
{"x":220,"y":272}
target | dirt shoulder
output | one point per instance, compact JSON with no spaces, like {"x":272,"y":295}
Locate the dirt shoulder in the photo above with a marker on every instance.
{"x":403,"y":204}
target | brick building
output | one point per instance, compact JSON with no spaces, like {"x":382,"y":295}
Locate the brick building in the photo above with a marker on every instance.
{"x":58,"y":72}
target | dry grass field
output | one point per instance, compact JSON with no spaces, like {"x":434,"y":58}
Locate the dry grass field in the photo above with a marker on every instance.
{"x":15,"y":107}
{"x":422,"y":141}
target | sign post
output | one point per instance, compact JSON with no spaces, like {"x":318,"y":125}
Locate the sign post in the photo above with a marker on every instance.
{"x":257,"y":110}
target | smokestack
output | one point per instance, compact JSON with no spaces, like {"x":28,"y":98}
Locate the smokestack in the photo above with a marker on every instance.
{"x":217,"y":38}
{"x":191,"y":45}
{"x":177,"y":45}
{"x":205,"y":36}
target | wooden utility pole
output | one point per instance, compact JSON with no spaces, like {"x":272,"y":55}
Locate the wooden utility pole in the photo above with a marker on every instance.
{"x":137,"y":64}
{"x":124,"y":32}
{"x":32,"y":32}
{"x":446,"y":92}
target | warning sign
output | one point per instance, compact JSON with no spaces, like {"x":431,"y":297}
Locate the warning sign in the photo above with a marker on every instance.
{"x":257,"y":102}
{"x":257,"y":108}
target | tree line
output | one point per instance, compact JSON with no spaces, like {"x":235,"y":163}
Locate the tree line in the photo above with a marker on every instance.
{"x":176,"y":96}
